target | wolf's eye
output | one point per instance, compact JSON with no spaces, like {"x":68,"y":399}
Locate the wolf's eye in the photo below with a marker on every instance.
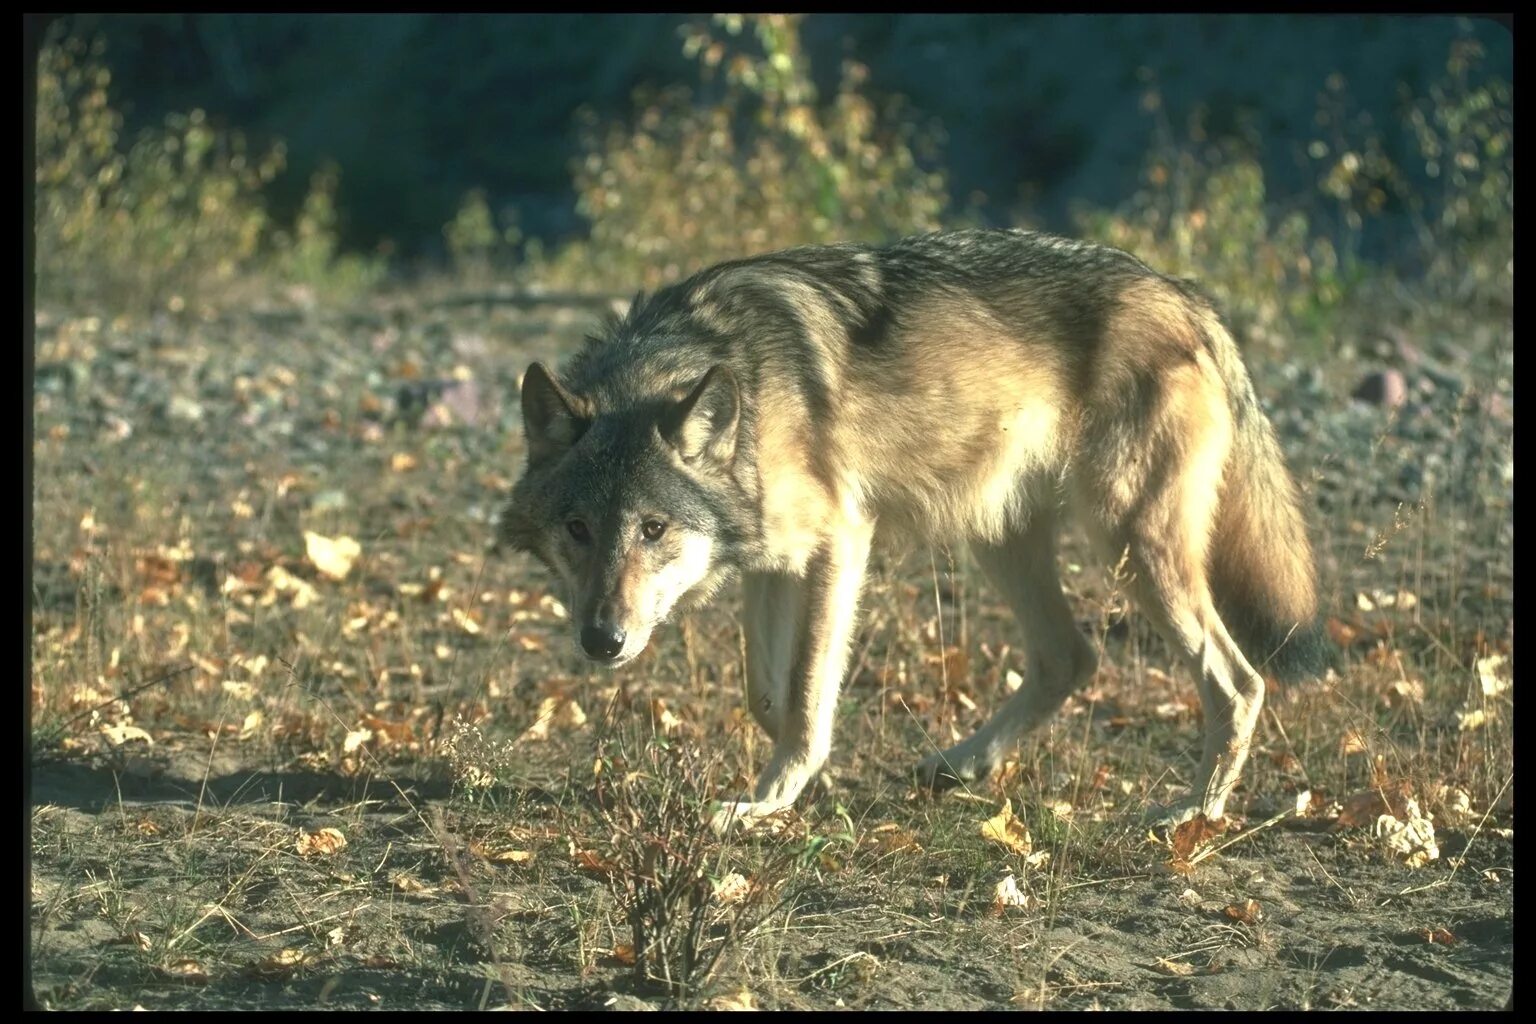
{"x":579,"y":530}
{"x":653,"y":528}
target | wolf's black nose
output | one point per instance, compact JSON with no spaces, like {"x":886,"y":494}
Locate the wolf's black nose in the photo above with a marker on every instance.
{"x":603,"y":642}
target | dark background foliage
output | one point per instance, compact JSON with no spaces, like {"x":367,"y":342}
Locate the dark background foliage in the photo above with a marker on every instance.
{"x":1040,"y":111}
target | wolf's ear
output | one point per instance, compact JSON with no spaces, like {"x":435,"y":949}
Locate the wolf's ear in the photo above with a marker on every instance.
{"x":551,"y":420}
{"x":703,"y":425}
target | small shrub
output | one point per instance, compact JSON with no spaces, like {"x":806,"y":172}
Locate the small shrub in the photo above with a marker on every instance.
{"x":308,"y":257}
{"x":478,"y":247}
{"x":668,"y":866}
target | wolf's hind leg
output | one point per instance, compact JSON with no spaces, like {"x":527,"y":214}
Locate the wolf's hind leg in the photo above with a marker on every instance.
{"x":1160,"y":513}
{"x":774,"y":607}
{"x":1058,"y":659}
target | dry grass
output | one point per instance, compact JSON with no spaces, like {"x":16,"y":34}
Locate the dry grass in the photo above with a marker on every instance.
{"x":521,"y":832}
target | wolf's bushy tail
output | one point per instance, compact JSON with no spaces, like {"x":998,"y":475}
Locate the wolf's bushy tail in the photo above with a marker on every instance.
{"x":1262,"y":574}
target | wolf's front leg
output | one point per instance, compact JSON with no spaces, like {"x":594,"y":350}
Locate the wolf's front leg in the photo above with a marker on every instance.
{"x":831,"y":590}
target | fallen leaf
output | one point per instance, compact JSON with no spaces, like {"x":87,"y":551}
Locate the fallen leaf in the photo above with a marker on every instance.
{"x":553,"y":711}
{"x":136,"y":938}
{"x":331,"y":556}
{"x":664,"y":718}
{"x":1365,"y":807}
{"x":739,"y":1000}
{"x":185,"y":969}
{"x":301,"y":592}
{"x":1411,"y":837}
{"x":1193,"y":834}
{"x":1452,"y":806}
{"x":733,"y":888}
{"x":356,"y":738}
{"x":1494,"y":675}
{"x":1342,"y":633}
{"x":1353,"y":742}
{"x":1436,"y":936}
{"x":251,"y":725}
{"x":283,"y":962}
{"x":591,"y":860}
{"x":1248,"y":912}
{"x":1475,"y":718}
{"x":117,"y":735}
{"x":1008,"y":894}
{"x":238,"y":689}
{"x":499,"y":856}
{"x":324,"y":843}
{"x":1007,"y":830}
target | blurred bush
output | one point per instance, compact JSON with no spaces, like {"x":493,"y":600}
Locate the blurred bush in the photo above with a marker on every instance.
{"x":1202,"y":211}
{"x":760,"y":164}
{"x":1466,"y":137}
{"x":480,"y":248}
{"x":176,"y":217}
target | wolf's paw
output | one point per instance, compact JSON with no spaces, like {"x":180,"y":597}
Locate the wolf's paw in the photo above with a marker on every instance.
{"x":952,"y":767}
{"x":726,"y":815}
{"x":1171,"y":815}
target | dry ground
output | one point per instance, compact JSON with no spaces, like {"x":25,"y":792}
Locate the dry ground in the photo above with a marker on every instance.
{"x":219,"y":677}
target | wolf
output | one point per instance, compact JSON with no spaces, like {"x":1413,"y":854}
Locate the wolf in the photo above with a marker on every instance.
{"x":774,"y":418}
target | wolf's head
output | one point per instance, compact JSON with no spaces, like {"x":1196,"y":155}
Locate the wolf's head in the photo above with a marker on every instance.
{"x":633,"y":506}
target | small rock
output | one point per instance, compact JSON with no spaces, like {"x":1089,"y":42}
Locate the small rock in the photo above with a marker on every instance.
{"x":1386,"y":388}
{"x":183,"y":408}
{"x":624,"y":1003}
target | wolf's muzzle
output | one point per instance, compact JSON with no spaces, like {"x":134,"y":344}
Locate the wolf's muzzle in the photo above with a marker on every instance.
{"x":603,"y":641}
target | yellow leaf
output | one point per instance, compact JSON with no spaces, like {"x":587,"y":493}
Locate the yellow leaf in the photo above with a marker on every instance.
{"x":512,"y":856}
{"x":238,"y":689}
{"x":284,"y":961}
{"x":740,"y":1000}
{"x":332,"y":556}
{"x":1248,"y":912}
{"x":1004,"y":828}
{"x":324,"y":843}
{"x":591,"y":860}
{"x":251,"y":725}
{"x":1493,"y":672}
{"x":1008,"y":894}
{"x":187,"y":970}
{"x":117,"y":735}
{"x":733,"y":888}
{"x":1476,"y":718}
{"x":284,"y":582}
